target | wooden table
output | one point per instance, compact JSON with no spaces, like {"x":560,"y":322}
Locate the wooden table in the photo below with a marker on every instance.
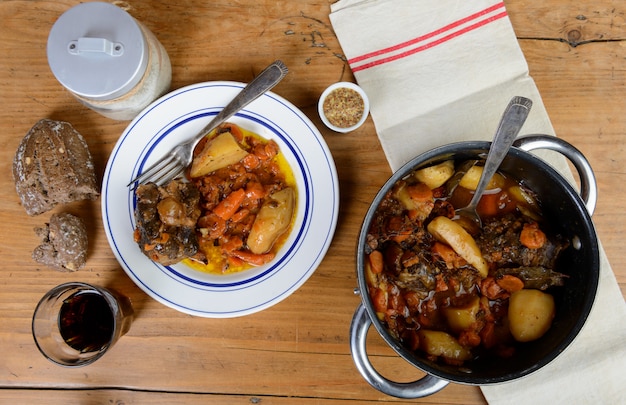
{"x":298,"y":350}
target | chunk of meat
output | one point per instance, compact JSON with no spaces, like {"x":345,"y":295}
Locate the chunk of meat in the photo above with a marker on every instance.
{"x":500,"y":244}
{"x":166,"y":218}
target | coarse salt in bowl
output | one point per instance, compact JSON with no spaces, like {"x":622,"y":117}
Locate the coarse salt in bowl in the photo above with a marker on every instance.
{"x":343,"y":107}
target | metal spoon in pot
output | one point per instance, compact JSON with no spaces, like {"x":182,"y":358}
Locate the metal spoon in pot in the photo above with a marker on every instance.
{"x":510,"y":124}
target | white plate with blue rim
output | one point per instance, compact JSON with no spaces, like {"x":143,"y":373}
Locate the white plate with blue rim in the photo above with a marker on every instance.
{"x":180,"y":115}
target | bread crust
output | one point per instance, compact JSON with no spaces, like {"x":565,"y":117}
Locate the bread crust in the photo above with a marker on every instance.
{"x":52,"y":166}
{"x":64,"y":243}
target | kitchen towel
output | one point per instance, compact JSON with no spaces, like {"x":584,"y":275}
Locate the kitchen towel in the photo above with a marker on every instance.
{"x":442,"y":72}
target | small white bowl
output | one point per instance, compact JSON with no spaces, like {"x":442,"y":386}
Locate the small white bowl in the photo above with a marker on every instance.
{"x":345,"y":85}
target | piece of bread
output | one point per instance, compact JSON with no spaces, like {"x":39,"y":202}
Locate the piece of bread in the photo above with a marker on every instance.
{"x":64,"y":243}
{"x":53,"y":166}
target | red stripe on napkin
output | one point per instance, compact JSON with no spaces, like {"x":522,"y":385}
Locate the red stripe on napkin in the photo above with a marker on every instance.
{"x":454,"y":27}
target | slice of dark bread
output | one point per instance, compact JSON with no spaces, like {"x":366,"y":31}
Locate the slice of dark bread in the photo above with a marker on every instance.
{"x":63,"y":243}
{"x":53,"y":166}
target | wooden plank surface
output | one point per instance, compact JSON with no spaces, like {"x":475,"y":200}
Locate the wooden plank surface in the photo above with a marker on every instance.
{"x":298,"y":350}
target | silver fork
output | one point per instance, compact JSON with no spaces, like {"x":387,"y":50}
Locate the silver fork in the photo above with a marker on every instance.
{"x":176,"y":161}
{"x":511,"y":122}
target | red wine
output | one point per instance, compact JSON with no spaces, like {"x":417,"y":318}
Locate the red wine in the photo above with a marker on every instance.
{"x":86,"y":321}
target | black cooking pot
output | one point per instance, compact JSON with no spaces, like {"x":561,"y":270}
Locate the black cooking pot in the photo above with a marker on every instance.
{"x":568,"y":211}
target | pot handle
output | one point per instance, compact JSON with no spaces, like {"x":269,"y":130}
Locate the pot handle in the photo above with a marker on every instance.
{"x":423,"y":387}
{"x":588,"y":185}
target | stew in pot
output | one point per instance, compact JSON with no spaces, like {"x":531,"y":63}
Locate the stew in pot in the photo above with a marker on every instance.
{"x":449,"y":290}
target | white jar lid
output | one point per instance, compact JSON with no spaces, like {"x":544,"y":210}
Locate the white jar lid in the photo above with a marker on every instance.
{"x":97,"y":51}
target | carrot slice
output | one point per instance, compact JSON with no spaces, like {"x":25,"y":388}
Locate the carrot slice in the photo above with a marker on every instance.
{"x":488,"y":204}
{"x":212,"y":225}
{"x":446,"y":253}
{"x":234,"y":130}
{"x":229,"y":205}
{"x":510,"y":283}
{"x":490,"y":288}
{"x":234,"y":261}
{"x":376,"y":261}
{"x":420,"y":192}
{"x":232,"y":244}
{"x":252,"y":258}
{"x":251,"y":161}
{"x":532,"y":237}
{"x":379,"y":299}
{"x":239,"y":215}
{"x":255,"y":191}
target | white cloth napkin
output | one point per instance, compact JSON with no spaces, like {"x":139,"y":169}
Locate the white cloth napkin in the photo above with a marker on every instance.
{"x":442,"y":72}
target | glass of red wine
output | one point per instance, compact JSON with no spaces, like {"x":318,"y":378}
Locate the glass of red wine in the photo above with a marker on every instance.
{"x":76,"y":323}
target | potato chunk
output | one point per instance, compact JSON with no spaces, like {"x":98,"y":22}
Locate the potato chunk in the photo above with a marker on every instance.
{"x":472,"y":177}
{"x":219,"y":152}
{"x":530,"y":314}
{"x":437,"y":343}
{"x":417,"y":198}
{"x":526,"y":203}
{"x":451,"y":233}
{"x":272,"y":221}
{"x":435,"y":176}
{"x":462,"y":317}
